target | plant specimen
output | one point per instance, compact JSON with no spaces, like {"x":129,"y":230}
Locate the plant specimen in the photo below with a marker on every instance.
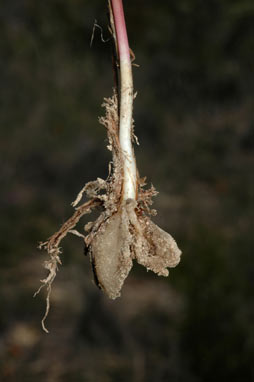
{"x":124,"y":231}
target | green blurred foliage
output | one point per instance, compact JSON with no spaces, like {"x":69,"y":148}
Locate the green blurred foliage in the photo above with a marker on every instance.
{"x":194,"y":120}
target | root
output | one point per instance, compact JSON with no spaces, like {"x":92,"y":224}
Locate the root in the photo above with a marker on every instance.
{"x":54,"y":251}
{"x":122,"y":232}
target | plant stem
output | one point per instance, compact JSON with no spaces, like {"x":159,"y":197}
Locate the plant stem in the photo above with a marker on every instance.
{"x":126,"y":103}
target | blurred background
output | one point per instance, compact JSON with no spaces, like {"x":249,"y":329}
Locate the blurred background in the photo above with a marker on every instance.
{"x":195,"y":123}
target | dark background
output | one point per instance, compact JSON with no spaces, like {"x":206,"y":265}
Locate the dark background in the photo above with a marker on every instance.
{"x":195,"y":123}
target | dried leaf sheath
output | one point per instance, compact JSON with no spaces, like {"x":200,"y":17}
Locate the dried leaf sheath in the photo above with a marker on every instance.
{"x":125,"y":236}
{"x":110,"y":253}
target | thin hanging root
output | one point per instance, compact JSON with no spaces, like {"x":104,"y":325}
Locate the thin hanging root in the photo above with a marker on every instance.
{"x":52,"y":244}
{"x":47,"y":304}
{"x":53,"y":249}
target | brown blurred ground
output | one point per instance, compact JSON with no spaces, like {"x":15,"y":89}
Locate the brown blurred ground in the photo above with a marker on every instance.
{"x":194,"y":119}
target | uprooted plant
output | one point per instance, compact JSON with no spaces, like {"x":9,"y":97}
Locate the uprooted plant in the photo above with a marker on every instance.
{"x":124,"y":231}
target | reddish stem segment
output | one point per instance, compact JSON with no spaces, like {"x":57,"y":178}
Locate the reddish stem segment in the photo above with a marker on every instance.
{"x":121,"y":32}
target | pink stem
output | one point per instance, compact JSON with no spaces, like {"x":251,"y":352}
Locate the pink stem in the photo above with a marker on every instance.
{"x":121,"y":32}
